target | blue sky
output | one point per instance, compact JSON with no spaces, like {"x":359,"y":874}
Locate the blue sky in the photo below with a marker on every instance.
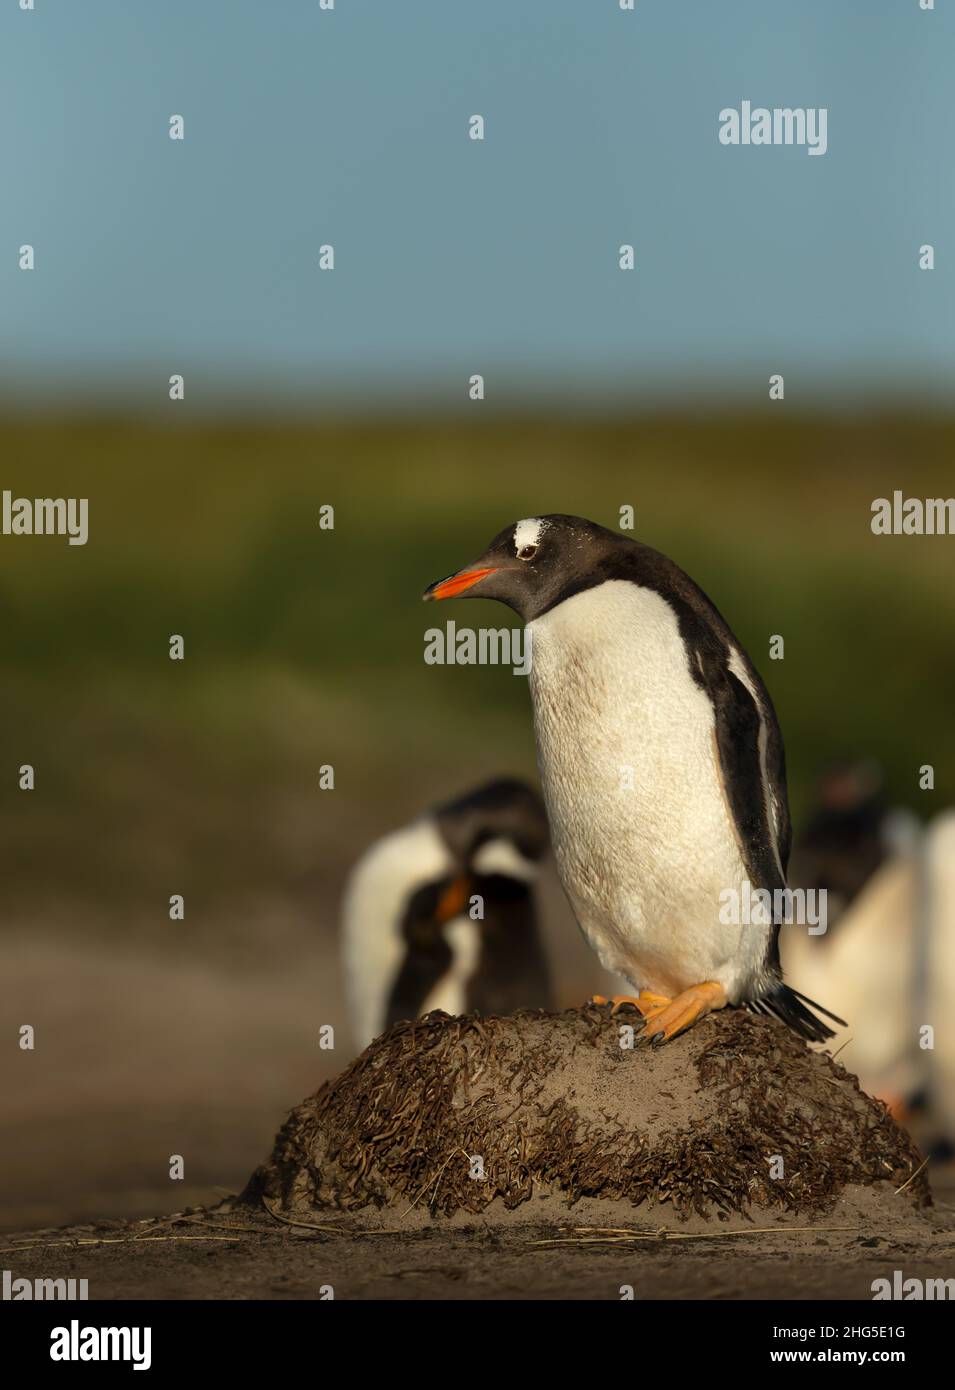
{"x":452,"y":256}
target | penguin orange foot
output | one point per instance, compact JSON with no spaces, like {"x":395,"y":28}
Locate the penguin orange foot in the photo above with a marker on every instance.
{"x":678,"y":1014}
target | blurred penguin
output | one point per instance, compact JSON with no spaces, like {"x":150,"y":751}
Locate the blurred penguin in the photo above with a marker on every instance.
{"x":441,"y":914}
{"x":889,"y":967}
{"x":851,"y":832}
{"x":936,"y":979}
{"x":868,"y":859}
{"x":868,"y":966}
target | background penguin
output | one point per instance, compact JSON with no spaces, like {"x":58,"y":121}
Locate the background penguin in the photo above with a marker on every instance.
{"x":661,"y":763}
{"x":868,"y":970}
{"x":890,"y":968}
{"x":935,"y":976}
{"x":850,"y":833}
{"x":409,"y":941}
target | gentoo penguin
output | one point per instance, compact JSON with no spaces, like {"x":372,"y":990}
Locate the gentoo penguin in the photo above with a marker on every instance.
{"x":850,"y":833}
{"x":935,"y":974}
{"x":661,"y":763}
{"x":890,"y":967}
{"x":441,"y":915}
{"x":868,"y":967}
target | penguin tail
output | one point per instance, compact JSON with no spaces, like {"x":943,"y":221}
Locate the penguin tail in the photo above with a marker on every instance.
{"x":790,"y":1007}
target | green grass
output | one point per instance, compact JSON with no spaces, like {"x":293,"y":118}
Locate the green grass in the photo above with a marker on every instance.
{"x":305,"y":646}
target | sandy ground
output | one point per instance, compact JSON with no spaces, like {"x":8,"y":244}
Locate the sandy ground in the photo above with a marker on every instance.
{"x":242,"y":1254}
{"x":182,"y":1049}
{"x":135,"y":1055}
{"x":138,"y":1059}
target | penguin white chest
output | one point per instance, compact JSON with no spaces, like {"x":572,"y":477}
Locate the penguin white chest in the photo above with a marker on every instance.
{"x":643,"y":835}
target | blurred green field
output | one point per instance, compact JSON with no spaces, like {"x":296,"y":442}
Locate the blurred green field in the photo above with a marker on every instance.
{"x":304,"y":646}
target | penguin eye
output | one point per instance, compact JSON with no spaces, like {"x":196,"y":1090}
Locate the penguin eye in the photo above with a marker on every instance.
{"x":527,"y":552}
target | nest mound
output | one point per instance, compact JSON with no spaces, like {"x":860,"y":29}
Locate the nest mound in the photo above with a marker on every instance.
{"x":481,"y":1115}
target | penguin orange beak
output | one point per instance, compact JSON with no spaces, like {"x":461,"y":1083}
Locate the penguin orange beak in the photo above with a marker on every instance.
{"x":457,"y":583}
{"x":454,"y":900}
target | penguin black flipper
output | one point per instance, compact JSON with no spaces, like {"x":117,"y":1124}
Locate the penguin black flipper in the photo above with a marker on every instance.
{"x":755,"y":790}
{"x":752,"y":764}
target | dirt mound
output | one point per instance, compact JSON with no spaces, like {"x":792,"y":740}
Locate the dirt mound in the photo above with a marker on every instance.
{"x":480,"y":1116}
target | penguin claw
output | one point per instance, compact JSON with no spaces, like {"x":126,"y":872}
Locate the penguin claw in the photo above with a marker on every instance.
{"x":665,"y":1023}
{"x":664,"y":1018}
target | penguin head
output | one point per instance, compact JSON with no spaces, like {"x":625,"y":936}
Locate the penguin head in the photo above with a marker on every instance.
{"x":530,"y":563}
{"x":497,"y":828}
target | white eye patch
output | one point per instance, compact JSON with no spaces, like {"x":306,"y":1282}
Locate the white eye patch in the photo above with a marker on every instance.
{"x":528,"y":532}
{"x":503,"y":857}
